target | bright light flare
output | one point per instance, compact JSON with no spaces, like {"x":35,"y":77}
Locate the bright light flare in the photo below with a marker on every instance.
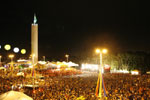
{"x":42,"y":62}
{"x":7,"y":47}
{"x":97,"y":50}
{"x":92,"y":67}
{"x":135,"y":72}
{"x":23,"y":51}
{"x":104,"y":50}
{"x":66,"y":55}
{"x":16,"y":50}
{"x":11,"y":56}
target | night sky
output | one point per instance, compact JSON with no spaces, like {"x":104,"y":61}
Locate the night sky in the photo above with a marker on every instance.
{"x":76,"y":27}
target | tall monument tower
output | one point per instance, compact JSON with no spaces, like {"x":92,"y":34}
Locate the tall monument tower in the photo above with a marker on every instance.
{"x":34,"y":41}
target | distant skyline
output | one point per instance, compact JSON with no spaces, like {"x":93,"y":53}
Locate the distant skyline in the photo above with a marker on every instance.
{"x":76,"y":27}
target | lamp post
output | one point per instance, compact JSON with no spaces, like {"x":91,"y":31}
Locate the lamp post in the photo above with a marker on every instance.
{"x":44,"y":58}
{"x":11,"y":56}
{"x":67,"y":56}
{"x":100,"y":52}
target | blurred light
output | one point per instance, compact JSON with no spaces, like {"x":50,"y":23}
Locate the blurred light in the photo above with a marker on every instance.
{"x":104,"y":50}
{"x":107,"y":66}
{"x":31,"y":66}
{"x":33,"y":55}
{"x":90,"y":67}
{"x":20,"y":74}
{"x":66,"y":55}
{"x":23,"y":51}
{"x":11,"y":56}
{"x":72,"y":64}
{"x":42,"y":62}
{"x":7,"y":47}
{"x":97,"y":50}
{"x":135,"y":72}
{"x":0,"y":46}
{"x":12,"y":87}
{"x":40,"y":90}
{"x":120,"y":71}
{"x":22,"y":60}
{"x":147,"y":72}
{"x":69,"y":64}
{"x":34,"y":91}
{"x":16,"y":49}
{"x":58,"y":66}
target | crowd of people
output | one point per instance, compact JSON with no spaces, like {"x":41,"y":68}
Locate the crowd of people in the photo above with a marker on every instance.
{"x":118,"y":87}
{"x":59,"y":72}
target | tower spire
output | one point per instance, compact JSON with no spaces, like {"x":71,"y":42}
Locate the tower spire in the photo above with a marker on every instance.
{"x":35,"y":19}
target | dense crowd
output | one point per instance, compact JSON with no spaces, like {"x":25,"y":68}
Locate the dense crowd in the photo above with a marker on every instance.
{"x":118,"y":87}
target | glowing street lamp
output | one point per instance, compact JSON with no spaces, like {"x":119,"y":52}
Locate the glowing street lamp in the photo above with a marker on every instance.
{"x":11,"y":56}
{"x":7,"y":47}
{"x":67,"y":56}
{"x":104,"y":51}
{"x":23,"y":51}
{"x":100,"y":52}
{"x":16,"y":50}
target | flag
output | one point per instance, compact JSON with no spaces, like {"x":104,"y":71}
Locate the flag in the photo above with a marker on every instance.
{"x":97,"y":87}
{"x":104,"y":89}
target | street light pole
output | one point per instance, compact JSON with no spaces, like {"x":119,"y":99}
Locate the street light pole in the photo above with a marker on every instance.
{"x":100,"y":75}
{"x":99,"y":84}
{"x":44,"y":58}
{"x":67,"y":56}
{"x":11,"y":57}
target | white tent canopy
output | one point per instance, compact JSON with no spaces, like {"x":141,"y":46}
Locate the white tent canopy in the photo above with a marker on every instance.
{"x":14,"y":95}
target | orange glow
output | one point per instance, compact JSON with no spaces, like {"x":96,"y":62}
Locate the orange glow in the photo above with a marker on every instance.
{"x":104,"y":50}
{"x":34,"y":91}
{"x":66,"y":55}
{"x":97,"y":50}
{"x":11,"y":56}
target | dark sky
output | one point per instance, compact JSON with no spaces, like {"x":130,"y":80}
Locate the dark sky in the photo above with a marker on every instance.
{"x":76,"y":27}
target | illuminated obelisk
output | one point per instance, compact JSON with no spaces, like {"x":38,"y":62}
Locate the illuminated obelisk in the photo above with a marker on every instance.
{"x":34,"y":41}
